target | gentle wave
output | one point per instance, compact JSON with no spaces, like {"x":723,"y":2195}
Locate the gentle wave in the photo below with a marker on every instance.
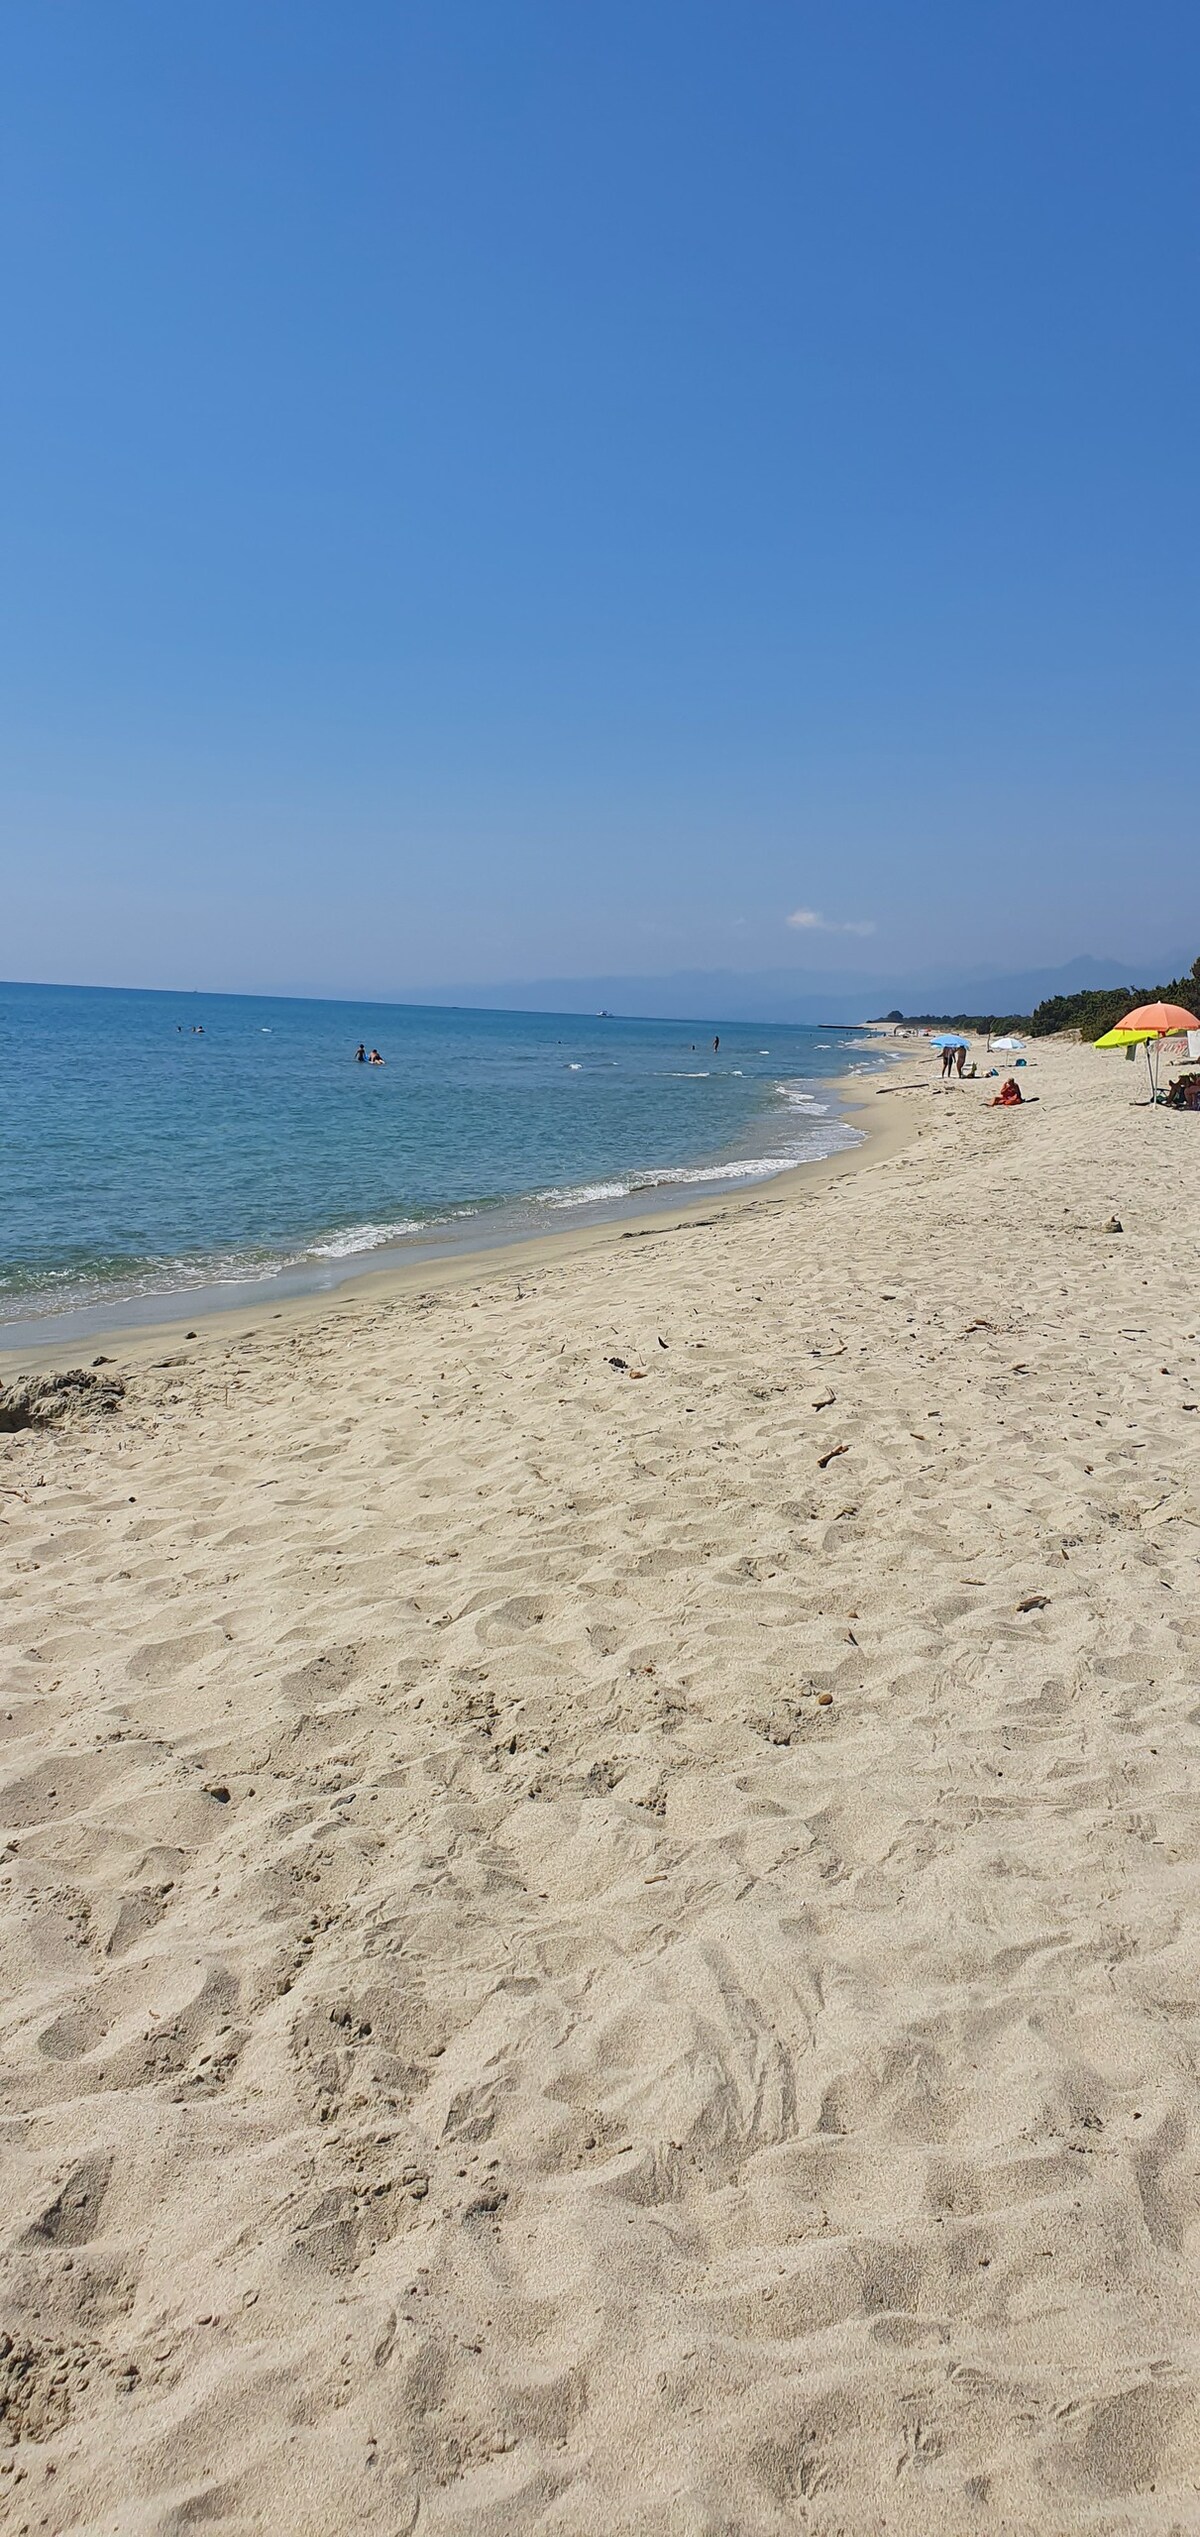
{"x":592,"y":1194}
{"x":360,"y":1237}
{"x":836,"y":1140}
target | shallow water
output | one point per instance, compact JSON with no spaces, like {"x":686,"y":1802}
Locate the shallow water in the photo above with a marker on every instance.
{"x":142,"y":1155}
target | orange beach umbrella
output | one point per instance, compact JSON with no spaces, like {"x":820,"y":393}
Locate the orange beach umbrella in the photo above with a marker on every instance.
{"x":1158,"y":1021}
{"x":1162,"y":1019}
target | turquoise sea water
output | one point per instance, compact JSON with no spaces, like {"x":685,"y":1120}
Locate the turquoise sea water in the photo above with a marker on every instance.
{"x":142,"y":1157}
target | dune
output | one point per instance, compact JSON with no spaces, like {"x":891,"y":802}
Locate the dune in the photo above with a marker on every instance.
{"x":589,"y":1954}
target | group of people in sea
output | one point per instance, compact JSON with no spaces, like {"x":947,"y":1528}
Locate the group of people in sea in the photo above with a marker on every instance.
{"x":361,"y":1058}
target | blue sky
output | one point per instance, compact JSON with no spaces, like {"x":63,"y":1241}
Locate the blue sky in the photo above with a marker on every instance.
{"x":495,"y":489}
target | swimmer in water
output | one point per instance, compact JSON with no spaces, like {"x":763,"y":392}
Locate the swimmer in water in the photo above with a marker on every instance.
{"x":360,"y":1054}
{"x":375,"y":1059}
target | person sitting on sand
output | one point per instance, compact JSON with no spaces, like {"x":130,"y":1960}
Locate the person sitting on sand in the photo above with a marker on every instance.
{"x":1009,"y":1095}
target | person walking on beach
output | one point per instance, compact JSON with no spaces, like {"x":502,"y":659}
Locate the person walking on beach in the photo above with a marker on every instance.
{"x":947,"y":1064}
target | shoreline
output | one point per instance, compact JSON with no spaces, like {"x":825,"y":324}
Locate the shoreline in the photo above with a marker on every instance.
{"x":441,"y":1268}
{"x":167,"y":1178}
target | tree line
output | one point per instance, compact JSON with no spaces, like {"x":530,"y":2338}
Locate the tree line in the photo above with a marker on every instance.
{"x":1096,"y":1010}
{"x":1091,"y":1012}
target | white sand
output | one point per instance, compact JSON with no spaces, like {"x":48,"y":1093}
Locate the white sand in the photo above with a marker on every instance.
{"x":578,"y":2083}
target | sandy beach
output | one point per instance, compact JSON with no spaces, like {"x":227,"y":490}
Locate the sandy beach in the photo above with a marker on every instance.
{"x":601,"y":1875}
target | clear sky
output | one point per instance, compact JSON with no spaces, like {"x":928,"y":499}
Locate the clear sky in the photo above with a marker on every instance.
{"x":497,"y":487}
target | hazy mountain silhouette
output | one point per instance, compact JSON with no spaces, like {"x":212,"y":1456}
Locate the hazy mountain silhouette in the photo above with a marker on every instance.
{"x":805,"y":995}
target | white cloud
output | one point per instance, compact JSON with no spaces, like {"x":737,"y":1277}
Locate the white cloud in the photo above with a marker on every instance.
{"x":807,"y":920}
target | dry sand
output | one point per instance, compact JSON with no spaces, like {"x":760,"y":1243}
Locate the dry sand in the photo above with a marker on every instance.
{"x":488,"y":2044}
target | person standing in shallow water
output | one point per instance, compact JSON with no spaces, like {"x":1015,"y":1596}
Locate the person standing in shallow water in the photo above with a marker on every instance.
{"x":716,"y":1043}
{"x":360,"y":1053}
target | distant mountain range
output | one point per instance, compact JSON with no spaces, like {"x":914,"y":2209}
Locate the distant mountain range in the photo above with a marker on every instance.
{"x":804,"y":995}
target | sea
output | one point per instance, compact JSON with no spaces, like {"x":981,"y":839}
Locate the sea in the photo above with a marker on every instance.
{"x":163,"y":1154}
